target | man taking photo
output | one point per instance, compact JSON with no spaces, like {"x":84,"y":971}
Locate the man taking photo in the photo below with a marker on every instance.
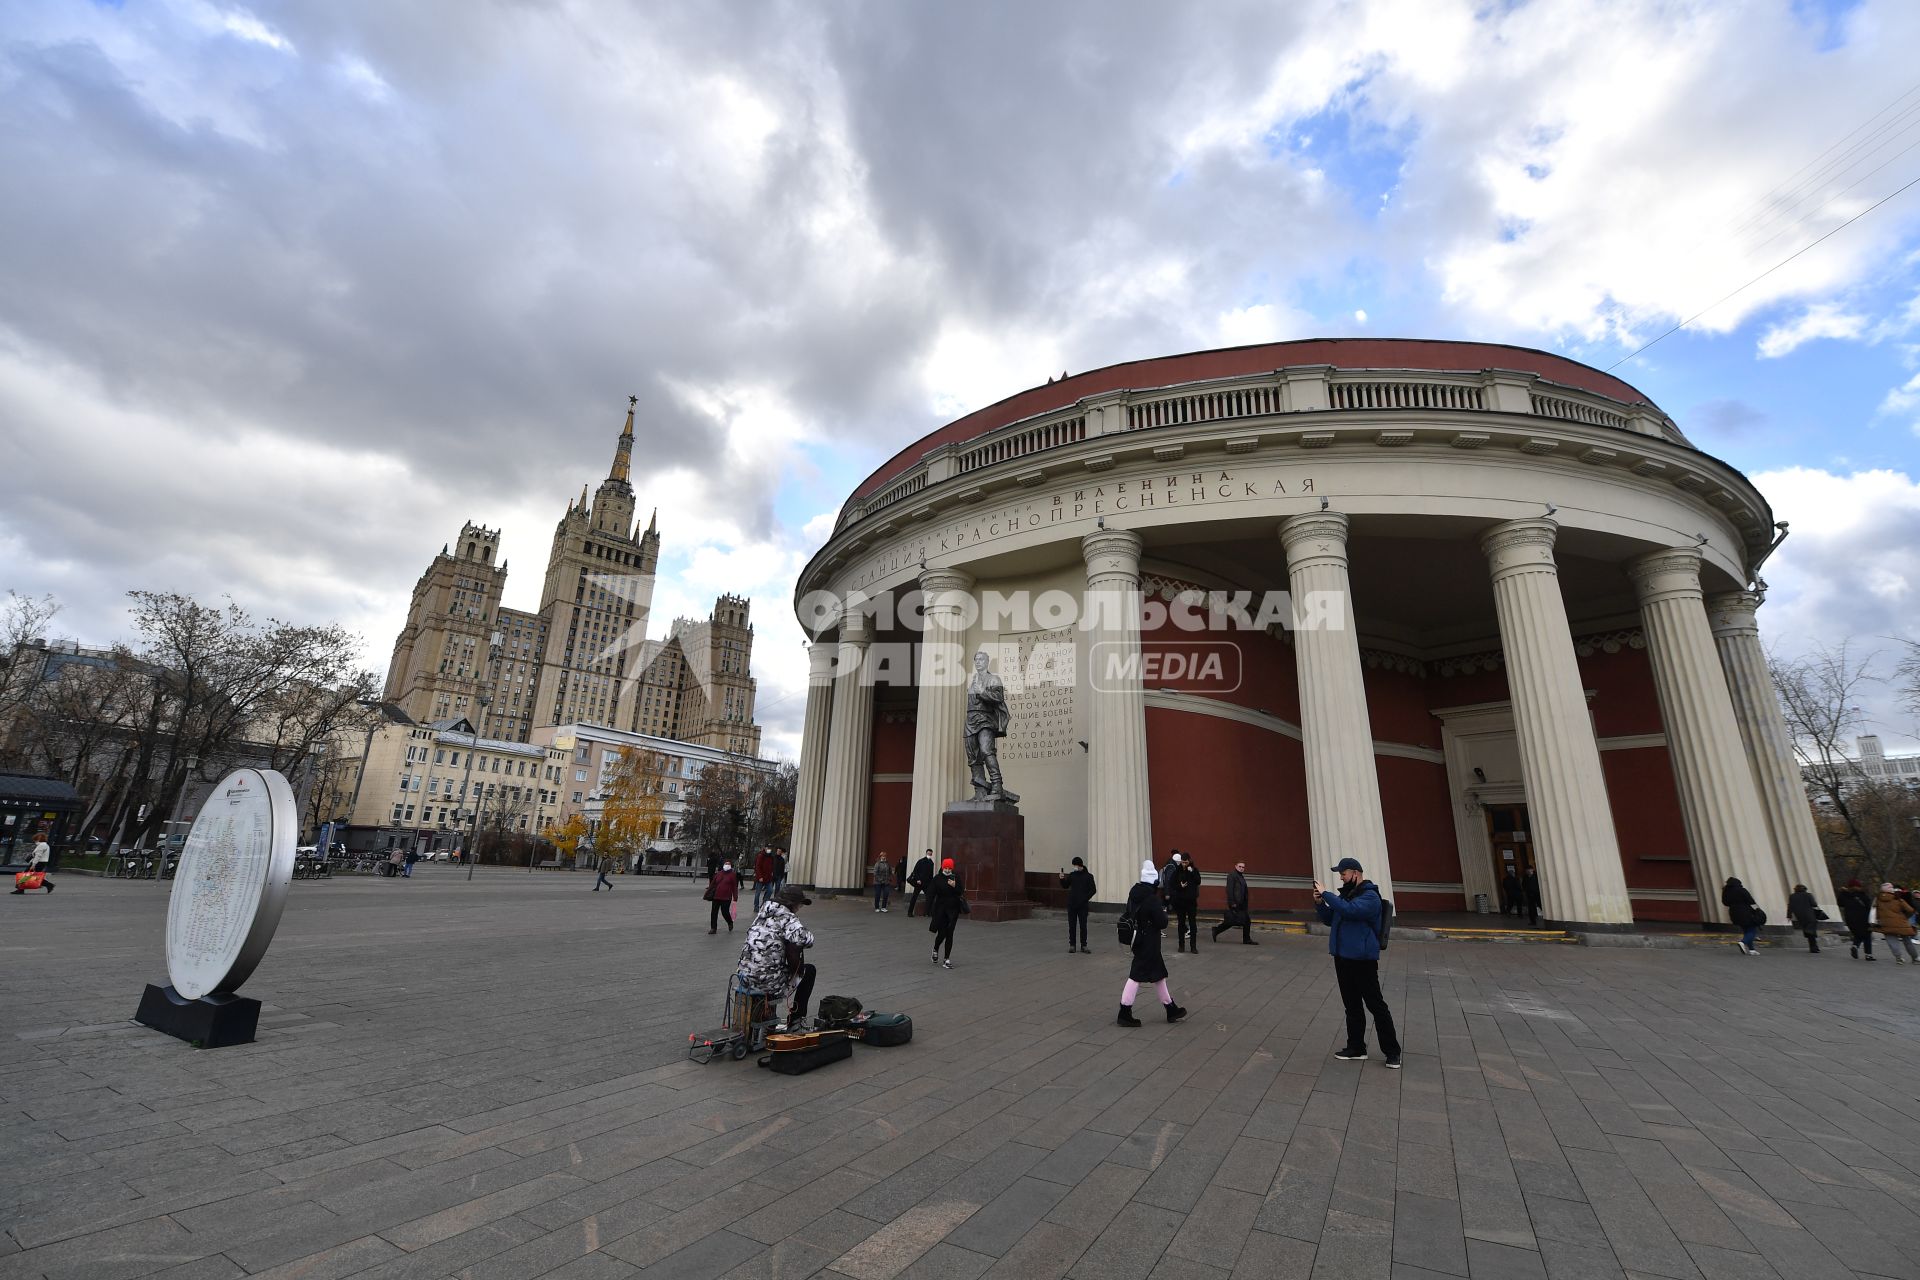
{"x":1353,"y":912}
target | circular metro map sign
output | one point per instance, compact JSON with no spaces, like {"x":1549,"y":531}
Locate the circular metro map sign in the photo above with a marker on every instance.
{"x":231,"y":884}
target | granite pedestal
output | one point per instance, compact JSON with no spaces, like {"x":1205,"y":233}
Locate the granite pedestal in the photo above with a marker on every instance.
{"x":987,"y":840}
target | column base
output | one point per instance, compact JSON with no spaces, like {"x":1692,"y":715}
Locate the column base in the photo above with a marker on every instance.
{"x":1588,"y":926}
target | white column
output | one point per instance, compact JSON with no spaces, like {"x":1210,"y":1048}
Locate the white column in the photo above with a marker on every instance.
{"x":939,"y":754}
{"x":840,"y":862}
{"x":1119,"y":813}
{"x":801,"y":848}
{"x":1581,"y":880}
{"x":1776,"y":774}
{"x":1717,"y":796}
{"x":1343,"y":790}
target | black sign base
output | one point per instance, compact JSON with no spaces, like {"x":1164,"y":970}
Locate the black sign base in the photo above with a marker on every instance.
{"x":211,"y":1022}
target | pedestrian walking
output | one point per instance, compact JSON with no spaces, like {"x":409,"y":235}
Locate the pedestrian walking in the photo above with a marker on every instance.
{"x":722,"y":892}
{"x":413,"y":856}
{"x":763,"y":879}
{"x":946,"y":903}
{"x":900,"y":873}
{"x":921,"y":881}
{"x":37,"y":863}
{"x":1744,"y":912}
{"x":1181,"y":880}
{"x":1149,"y":916}
{"x":780,"y":870}
{"x":882,"y":883}
{"x":1080,"y":889}
{"x":1894,"y":919}
{"x":1805,"y":913}
{"x":1238,"y":914}
{"x":1530,"y":894}
{"x":1856,"y":911}
{"x":1353,"y":912}
{"x":603,"y":868}
{"x":394,"y":862}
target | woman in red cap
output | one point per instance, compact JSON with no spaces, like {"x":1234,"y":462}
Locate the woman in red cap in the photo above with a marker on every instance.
{"x":946,"y":903}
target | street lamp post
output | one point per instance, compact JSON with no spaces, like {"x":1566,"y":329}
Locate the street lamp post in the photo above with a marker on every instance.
{"x":473,"y":835}
{"x":483,"y":702}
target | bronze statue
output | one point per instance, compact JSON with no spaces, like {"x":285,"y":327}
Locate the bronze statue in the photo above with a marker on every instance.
{"x":987,"y":719}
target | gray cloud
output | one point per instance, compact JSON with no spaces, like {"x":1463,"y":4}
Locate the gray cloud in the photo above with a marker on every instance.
{"x":277,"y":319}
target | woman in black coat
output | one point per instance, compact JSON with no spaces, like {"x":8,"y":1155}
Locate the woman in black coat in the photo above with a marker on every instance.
{"x":1149,"y":918}
{"x":1805,"y":913}
{"x":1743,"y":912}
{"x":946,"y":903}
{"x":1856,"y":911}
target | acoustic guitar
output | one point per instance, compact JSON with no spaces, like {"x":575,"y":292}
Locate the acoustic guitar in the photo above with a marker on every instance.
{"x":789,"y":1041}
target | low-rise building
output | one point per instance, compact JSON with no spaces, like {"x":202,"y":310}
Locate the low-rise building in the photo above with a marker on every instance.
{"x":404,"y":784}
{"x":590,"y":756}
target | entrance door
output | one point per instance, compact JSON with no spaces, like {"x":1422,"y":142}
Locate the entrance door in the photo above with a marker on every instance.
{"x":1512,"y":845}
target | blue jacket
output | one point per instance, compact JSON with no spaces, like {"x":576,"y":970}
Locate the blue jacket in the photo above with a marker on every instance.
{"x":1355,"y":916}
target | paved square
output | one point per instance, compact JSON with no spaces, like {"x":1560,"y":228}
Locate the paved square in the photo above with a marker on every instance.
{"x":489,"y":1080}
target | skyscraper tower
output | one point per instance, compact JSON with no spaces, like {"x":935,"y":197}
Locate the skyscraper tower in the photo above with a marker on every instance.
{"x":596,"y":599}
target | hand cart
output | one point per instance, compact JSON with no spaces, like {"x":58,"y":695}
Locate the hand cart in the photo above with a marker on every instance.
{"x":746,"y":1018}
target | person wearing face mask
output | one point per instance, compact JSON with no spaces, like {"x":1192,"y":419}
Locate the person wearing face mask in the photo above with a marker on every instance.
{"x":722,"y":893}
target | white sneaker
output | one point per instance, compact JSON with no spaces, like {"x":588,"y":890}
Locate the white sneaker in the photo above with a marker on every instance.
{"x":1744,"y":948}
{"x":884,"y":911}
{"x":947,"y":964}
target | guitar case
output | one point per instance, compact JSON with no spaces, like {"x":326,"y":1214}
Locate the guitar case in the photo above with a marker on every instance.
{"x":799,"y":1061}
{"x":885,"y":1029}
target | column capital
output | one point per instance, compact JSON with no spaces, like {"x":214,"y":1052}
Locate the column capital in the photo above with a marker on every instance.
{"x":1672,"y":574}
{"x":1731,"y":613}
{"x":1113,"y":557}
{"x":820,"y":656}
{"x":856,"y":628}
{"x":1520,"y":546}
{"x":934,"y":581}
{"x":1319,"y":537}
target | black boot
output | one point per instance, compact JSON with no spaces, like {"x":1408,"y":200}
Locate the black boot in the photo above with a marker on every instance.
{"x":1175,"y":1013}
{"x":1126,"y":1018}
{"x":1181,"y":940}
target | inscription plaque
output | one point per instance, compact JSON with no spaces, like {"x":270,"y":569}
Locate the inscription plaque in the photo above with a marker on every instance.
{"x":1040,"y":682}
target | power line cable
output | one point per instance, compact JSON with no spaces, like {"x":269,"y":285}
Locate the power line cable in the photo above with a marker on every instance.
{"x":1764,"y":274}
{"x":1853,"y":157}
{"x":1791,"y":181}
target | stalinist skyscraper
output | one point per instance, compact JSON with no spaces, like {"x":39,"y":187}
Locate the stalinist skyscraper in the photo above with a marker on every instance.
{"x":595,"y":601}
{"x":582,"y":656}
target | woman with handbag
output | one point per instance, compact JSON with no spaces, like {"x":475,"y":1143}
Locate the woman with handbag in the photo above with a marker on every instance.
{"x":1894,"y":919}
{"x":946,"y":903}
{"x":1146,"y":916}
{"x":1743,"y":912}
{"x":723,"y":891}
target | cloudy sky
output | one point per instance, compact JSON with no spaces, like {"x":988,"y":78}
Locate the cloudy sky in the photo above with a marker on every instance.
{"x":288,"y":291}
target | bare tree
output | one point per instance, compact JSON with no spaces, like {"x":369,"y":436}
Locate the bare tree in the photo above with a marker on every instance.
{"x":1820,"y":696}
{"x":23,"y":655}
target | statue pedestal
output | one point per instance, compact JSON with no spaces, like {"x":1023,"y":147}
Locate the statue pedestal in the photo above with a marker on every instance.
{"x":987,"y":841}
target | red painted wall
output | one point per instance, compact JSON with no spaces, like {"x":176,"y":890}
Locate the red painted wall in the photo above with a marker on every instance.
{"x":1624,"y":699}
{"x":1419,"y":821}
{"x":890,"y":804}
{"x":1265,"y":667}
{"x":1653,"y":836}
{"x":1229,"y":792}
